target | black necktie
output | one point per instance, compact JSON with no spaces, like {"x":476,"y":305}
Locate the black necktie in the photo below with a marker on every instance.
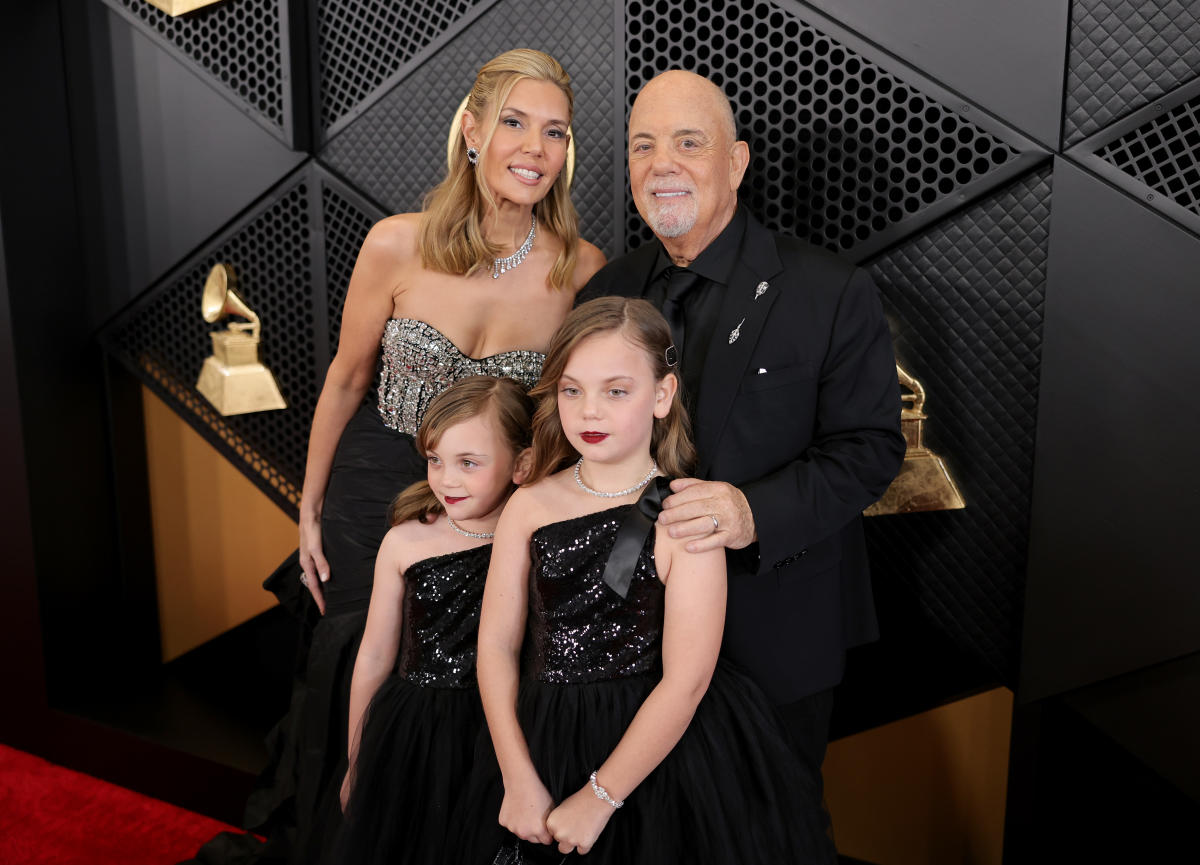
{"x":680,"y":280}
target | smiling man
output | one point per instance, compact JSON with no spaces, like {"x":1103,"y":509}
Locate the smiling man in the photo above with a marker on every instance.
{"x":790,"y":379}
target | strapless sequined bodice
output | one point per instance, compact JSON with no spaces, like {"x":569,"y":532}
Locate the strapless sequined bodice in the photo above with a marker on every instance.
{"x":442,"y":596}
{"x":580,"y":629}
{"x":419,"y":362}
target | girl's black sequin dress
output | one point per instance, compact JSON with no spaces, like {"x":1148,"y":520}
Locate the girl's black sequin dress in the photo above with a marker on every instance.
{"x":730,"y":792}
{"x":420,"y":729}
{"x":296,"y":802}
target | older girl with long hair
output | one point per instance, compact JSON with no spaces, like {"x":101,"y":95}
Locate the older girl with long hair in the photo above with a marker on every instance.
{"x":623,"y":739}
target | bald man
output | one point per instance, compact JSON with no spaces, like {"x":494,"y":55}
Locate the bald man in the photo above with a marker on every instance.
{"x":790,"y":379}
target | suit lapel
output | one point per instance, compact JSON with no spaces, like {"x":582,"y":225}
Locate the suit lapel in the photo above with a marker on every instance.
{"x":743,"y":313}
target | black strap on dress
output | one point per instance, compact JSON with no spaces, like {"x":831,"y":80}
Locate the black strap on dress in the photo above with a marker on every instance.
{"x":631,"y":536}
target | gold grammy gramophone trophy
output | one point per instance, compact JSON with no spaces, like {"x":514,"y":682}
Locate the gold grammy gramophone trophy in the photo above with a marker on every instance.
{"x":175,"y":8}
{"x":923,"y":483}
{"x":232,"y":378}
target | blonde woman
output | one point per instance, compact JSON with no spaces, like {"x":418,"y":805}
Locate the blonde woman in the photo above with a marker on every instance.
{"x":474,"y":284}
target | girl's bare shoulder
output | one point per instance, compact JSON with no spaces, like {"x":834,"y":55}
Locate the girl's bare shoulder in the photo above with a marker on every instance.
{"x":671,"y":556}
{"x":535,"y":502}
{"x":410,"y":542}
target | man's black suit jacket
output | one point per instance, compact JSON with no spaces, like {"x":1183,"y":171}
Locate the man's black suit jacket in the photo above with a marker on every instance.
{"x":799,"y":407}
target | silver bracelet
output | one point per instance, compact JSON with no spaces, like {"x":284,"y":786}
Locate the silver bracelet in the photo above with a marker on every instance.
{"x":602,"y":794}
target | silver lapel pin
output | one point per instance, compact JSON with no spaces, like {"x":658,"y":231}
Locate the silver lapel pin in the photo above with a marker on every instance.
{"x":760,"y":290}
{"x":736,"y":332}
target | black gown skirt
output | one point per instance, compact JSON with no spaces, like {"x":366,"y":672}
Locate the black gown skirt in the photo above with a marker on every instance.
{"x":295,"y":804}
{"x":731,"y":791}
{"x":419,"y":732}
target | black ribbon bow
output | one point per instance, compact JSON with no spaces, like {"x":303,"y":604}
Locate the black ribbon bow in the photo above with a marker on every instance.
{"x":631,"y":536}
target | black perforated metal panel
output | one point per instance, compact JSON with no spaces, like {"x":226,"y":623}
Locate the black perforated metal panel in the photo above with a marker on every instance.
{"x":1125,"y":53}
{"x":965,"y":300}
{"x":362,"y":42}
{"x":841,"y":148}
{"x":241,"y":43}
{"x":1164,"y":154}
{"x":347,"y":221}
{"x":164,"y":340}
{"x":397,"y":150}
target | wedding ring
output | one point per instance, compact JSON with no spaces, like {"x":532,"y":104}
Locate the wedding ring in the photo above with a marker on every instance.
{"x":303,"y":578}
{"x":716,"y":525}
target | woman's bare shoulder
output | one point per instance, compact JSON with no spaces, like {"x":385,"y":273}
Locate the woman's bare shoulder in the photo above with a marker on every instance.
{"x":395,"y":236}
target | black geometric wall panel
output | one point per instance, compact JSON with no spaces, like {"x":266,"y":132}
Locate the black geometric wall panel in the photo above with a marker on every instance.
{"x":1125,"y":53}
{"x":844,"y":152}
{"x":396,"y":151}
{"x":300,"y":239}
{"x":1113,"y":560}
{"x":348,"y":217}
{"x":999,"y":56}
{"x":243,"y":45}
{"x":362,"y":42}
{"x":965,"y":300}
{"x":174,"y":162}
{"x":1164,"y":154}
{"x":1154,"y":154}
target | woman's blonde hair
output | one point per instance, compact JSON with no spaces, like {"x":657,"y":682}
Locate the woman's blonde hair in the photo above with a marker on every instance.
{"x":511,"y":409}
{"x":643,"y":325}
{"x":452,"y":238}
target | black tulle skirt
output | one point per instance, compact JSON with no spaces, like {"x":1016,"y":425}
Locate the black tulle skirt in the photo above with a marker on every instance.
{"x":731,"y":791}
{"x":295,"y":804}
{"x":415,"y":753}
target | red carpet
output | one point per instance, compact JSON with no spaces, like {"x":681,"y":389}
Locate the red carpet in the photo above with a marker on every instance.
{"x":49,"y":814}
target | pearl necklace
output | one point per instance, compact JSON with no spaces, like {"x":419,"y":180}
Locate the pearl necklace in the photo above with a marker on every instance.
{"x":501,"y":265}
{"x":633,"y":489}
{"x":483,"y":536}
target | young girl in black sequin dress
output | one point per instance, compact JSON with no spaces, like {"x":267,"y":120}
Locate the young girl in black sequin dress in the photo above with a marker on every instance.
{"x":625,"y":739}
{"x":419,"y":724}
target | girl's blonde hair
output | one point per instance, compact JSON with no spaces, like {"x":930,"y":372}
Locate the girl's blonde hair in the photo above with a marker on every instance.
{"x":511,"y":409}
{"x":452,"y":238}
{"x":643,"y":325}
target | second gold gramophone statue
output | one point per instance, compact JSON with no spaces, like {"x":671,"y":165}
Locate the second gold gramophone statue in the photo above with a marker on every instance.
{"x":924,"y":484}
{"x":232,"y":378}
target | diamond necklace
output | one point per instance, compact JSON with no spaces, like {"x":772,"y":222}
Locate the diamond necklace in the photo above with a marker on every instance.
{"x":633,"y":489}
{"x":501,"y":265}
{"x":483,"y":536}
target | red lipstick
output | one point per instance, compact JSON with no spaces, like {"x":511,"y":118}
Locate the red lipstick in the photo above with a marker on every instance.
{"x":593,"y":437}
{"x":453,"y":500}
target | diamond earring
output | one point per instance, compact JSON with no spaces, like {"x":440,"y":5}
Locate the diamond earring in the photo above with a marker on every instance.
{"x":472,"y":155}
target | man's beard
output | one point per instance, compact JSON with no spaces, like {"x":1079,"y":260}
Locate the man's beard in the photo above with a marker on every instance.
{"x":670,"y":219}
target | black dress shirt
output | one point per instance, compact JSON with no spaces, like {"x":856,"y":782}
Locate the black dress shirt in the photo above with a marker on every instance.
{"x":702,"y":302}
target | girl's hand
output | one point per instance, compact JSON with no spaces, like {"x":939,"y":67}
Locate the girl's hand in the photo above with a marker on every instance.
{"x":312,"y":559}
{"x":524,"y":809}
{"x":578,"y":822}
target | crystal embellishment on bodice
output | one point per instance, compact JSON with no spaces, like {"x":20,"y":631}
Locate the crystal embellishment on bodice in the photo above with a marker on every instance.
{"x":419,"y":362}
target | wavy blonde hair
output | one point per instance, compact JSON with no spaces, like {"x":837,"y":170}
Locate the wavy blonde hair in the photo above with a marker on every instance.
{"x":643,"y":325}
{"x":511,"y":408}
{"x":452,"y":239}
